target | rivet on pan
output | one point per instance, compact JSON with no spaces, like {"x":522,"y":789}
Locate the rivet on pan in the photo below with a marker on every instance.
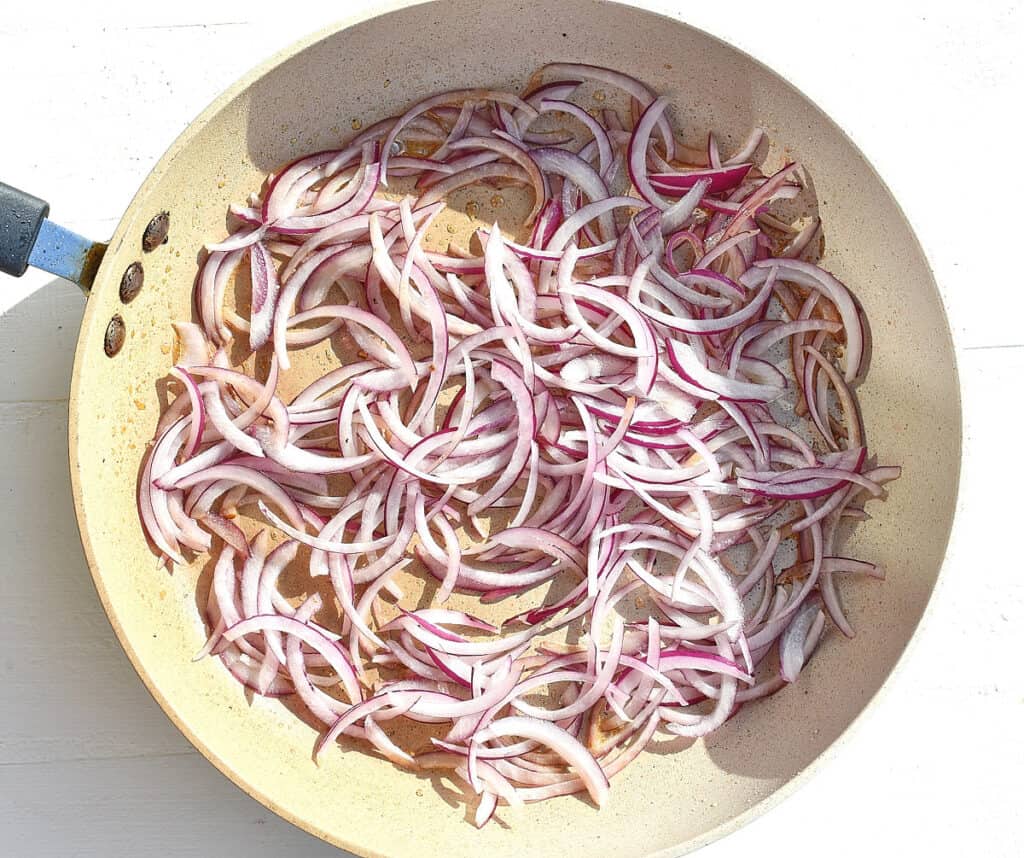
{"x":113,"y":339}
{"x":156,"y":232}
{"x":131,"y":282}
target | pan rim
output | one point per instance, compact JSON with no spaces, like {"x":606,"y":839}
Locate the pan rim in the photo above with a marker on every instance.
{"x":778,"y":794}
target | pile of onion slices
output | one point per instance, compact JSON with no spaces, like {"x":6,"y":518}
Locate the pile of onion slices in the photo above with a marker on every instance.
{"x":636,"y":408}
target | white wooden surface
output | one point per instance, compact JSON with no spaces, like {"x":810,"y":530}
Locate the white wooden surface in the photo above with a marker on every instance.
{"x":93,"y":93}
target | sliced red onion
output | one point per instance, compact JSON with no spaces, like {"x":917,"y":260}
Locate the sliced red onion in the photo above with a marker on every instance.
{"x":587,"y":406}
{"x":747,"y":150}
{"x":637,"y":159}
{"x":352,"y":202}
{"x":687,"y":362}
{"x":794,"y":639}
{"x":561,"y":742}
{"x":604,"y":145}
{"x":631,"y":86}
{"x":198,"y":419}
{"x":265,"y":287}
{"x":454,"y":97}
{"x":517,"y":155}
{"x":719,"y":179}
{"x":808,"y":275}
{"x":574,"y":169}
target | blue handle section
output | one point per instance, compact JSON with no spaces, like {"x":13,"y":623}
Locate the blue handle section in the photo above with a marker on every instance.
{"x":28,"y":238}
{"x":62,"y":252}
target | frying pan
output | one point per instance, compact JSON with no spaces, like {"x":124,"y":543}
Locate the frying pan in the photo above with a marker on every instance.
{"x":306,"y":98}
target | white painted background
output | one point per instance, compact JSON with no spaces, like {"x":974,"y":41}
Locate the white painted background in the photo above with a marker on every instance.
{"x":932,"y":91}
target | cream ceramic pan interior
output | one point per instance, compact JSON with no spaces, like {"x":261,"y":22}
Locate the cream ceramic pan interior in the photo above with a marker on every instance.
{"x":307,"y":99}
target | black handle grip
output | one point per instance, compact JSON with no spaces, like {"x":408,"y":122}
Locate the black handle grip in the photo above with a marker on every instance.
{"x":21,"y":216}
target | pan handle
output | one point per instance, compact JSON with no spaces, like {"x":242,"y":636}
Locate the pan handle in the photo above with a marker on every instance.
{"x":27,"y":238}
